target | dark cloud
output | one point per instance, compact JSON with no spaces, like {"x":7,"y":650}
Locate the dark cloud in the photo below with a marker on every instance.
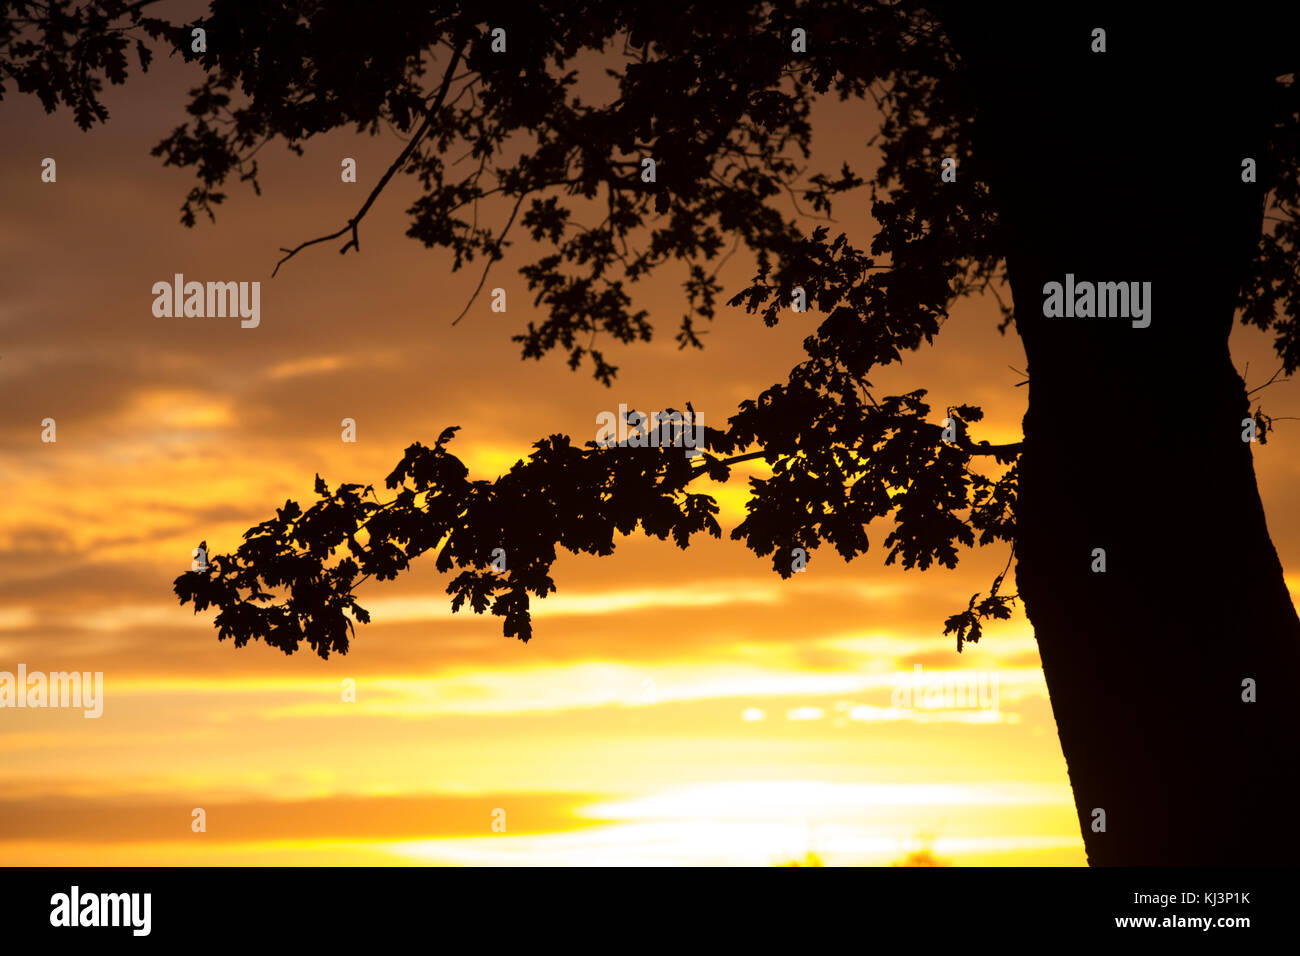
{"x":411,"y":816}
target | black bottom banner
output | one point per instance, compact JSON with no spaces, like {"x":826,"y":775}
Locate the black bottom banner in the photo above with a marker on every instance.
{"x":331,"y":905}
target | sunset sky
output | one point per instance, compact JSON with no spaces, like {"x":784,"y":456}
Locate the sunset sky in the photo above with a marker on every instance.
{"x":673,"y":707}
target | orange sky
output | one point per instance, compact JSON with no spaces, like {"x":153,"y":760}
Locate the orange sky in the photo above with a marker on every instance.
{"x":674,"y":707}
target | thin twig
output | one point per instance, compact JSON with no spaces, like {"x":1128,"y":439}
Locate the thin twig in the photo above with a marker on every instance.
{"x":492,"y":257}
{"x":731,"y":461}
{"x":354,"y":242}
{"x":1272,"y":379}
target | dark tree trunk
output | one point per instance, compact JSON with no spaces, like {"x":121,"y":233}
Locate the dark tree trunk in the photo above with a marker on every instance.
{"x":1126,"y":166}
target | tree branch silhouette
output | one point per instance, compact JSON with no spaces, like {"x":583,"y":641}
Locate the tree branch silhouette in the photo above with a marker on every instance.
{"x":397,"y":164}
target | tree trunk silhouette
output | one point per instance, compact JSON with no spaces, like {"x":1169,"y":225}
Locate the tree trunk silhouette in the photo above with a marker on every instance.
{"x":1126,"y":166}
